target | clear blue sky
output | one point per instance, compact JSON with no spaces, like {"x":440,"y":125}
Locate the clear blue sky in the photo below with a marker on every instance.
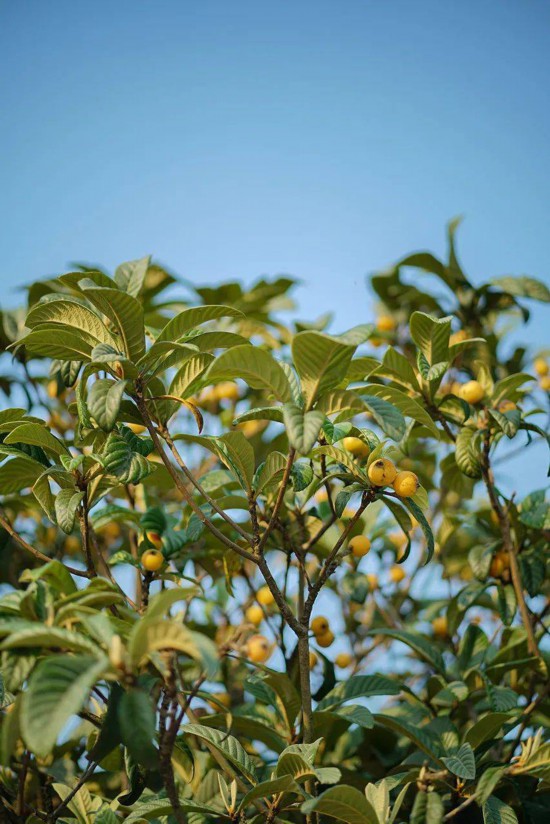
{"x":233,"y":139}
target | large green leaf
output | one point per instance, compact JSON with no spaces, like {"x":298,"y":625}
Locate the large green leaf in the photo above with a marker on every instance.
{"x":194,"y":316}
{"x":159,"y":808}
{"x":431,"y":335}
{"x":125,"y":313}
{"x":226,"y":744}
{"x":421,"y":645}
{"x":359,"y":686}
{"x":343,"y":803}
{"x":136,"y":719}
{"x":104,"y":401}
{"x":467,"y":454}
{"x":496,"y":811}
{"x":321,"y":362}
{"x":67,"y":502}
{"x":233,"y":449}
{"x":462,"y":762}
{"x":130,"y":276}
{"x":396,"y":367}
{"x":38,"y":435}
{"x":58,"y":689}
{"x":524,"y":287}
{"x":407,"y":406}
{"x":69,"y":312}
{"x":302,"y":428}
{"x":254,"y":366}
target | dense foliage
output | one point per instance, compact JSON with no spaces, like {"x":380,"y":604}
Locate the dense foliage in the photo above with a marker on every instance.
{"x":220,"y":602}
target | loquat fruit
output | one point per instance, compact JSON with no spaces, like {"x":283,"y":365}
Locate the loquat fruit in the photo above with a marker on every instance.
{"x":382,"y":472}
{"x":264,"y":596}
{"x":397,"y":574}
{"x":325,"y":639}
{"x":406,"y":484}
{"x":152,"y":560}
{"x":541,"y":367}
{"x":385,"y":323}
{"x":258,"y":649}
{"x":343,"y":660}
{"x":472,"y":392}
{"x":320,"y":625}
{"x":359,"y":546}
{"x":357,"y":447}
{"x":254,"y":614}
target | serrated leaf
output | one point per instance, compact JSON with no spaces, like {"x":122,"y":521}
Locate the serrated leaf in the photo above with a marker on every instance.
{"x":228,"y":745}
{"x":104,"y":400}
{"x":255,"y":366}
{"x":321,"y":361}
{"x":130,"y":276}
{"x":67,"y":502}
{"x":57,"y":690}
{"x":344,"y":804}
{"x":462,"y":762}
{"x":302,"y":428}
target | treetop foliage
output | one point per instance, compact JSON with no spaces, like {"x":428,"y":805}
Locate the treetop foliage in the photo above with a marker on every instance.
{"x":253,"y":570}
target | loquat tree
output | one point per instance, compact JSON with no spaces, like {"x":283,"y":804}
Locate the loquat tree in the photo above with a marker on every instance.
{"x":255,"y":572}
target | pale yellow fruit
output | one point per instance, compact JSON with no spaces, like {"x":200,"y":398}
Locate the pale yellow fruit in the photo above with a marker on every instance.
{"x":397,"y":573}
{"x":218,"y":698}
{"x":357,"y":447}
{"x":385,"y":323}
{"x":372,"y":578}
{"x":254,"y":614}
{"x":343,"y":660}
{"x":472,"y":392}
{"x":376,"y":342}
{"x":406,"y":484}
{"x":325,"y":640}
{"x":321,"y":495}
{"x":251,"y":428}
{"x":152,"y":560}
{"x":545,"y":383}
{"x":359,"y":546}
{"x":258,"y":649}
{"x":264,"y":596}
{"x":137,"y":428}
{"x":541,"y":367}
{"x":458,"y":337}
{"x":440,"y":626}
{"x":312,"y":660}
{"x":506,"y":406}
{"x":320,"y":625}
{"x":227,"y":391}
{"x":382,"y":472}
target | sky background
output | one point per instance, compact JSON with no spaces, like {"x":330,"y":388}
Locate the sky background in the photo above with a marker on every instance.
{"x":236,"y":139}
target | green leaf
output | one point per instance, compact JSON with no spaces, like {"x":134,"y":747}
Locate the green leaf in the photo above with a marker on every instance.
{"x":413,"y":508}
{"x":302,"y":428}
{"x":38,"y":435}
{"x":359,"y":686}
{"x":431,"y":335}
{"x":488,"y":782}
{"x":69,"y":312}
{"x":523,"y":287}
{"x":233,"y":450}
{"x":270,"y":473}
{"x":343,"y":803}
{"x":136,"y":718}
{"x":126,"y":315}
{"x":157,"y":808}
{"x":48,"y":343}
{"x":67,"y":502}
{"x":226,"y":744}
{"x":421,"y":645}
{"x":496,"y":811}
{"x":254,"y":366}
{"x":467,"y":453}
{"x":424,"y":739}
{"x":321,"y":362}
{"x":462,"y":762}
{"x":130,"y":276}
{"x":407,"y":406}
{"x":486,"y":727}
{"x":195,"y":316}
{"x":274,"y":786}
{"x":104,"y":401}
{"x":397,"y":368}
{"x":58,"y":689}
{"x":508,"y":422}
{"x":387,"y":416}
{"x":189,"y":377}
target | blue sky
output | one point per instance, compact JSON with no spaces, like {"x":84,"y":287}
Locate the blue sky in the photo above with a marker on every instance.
{"x":234,"y":139}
